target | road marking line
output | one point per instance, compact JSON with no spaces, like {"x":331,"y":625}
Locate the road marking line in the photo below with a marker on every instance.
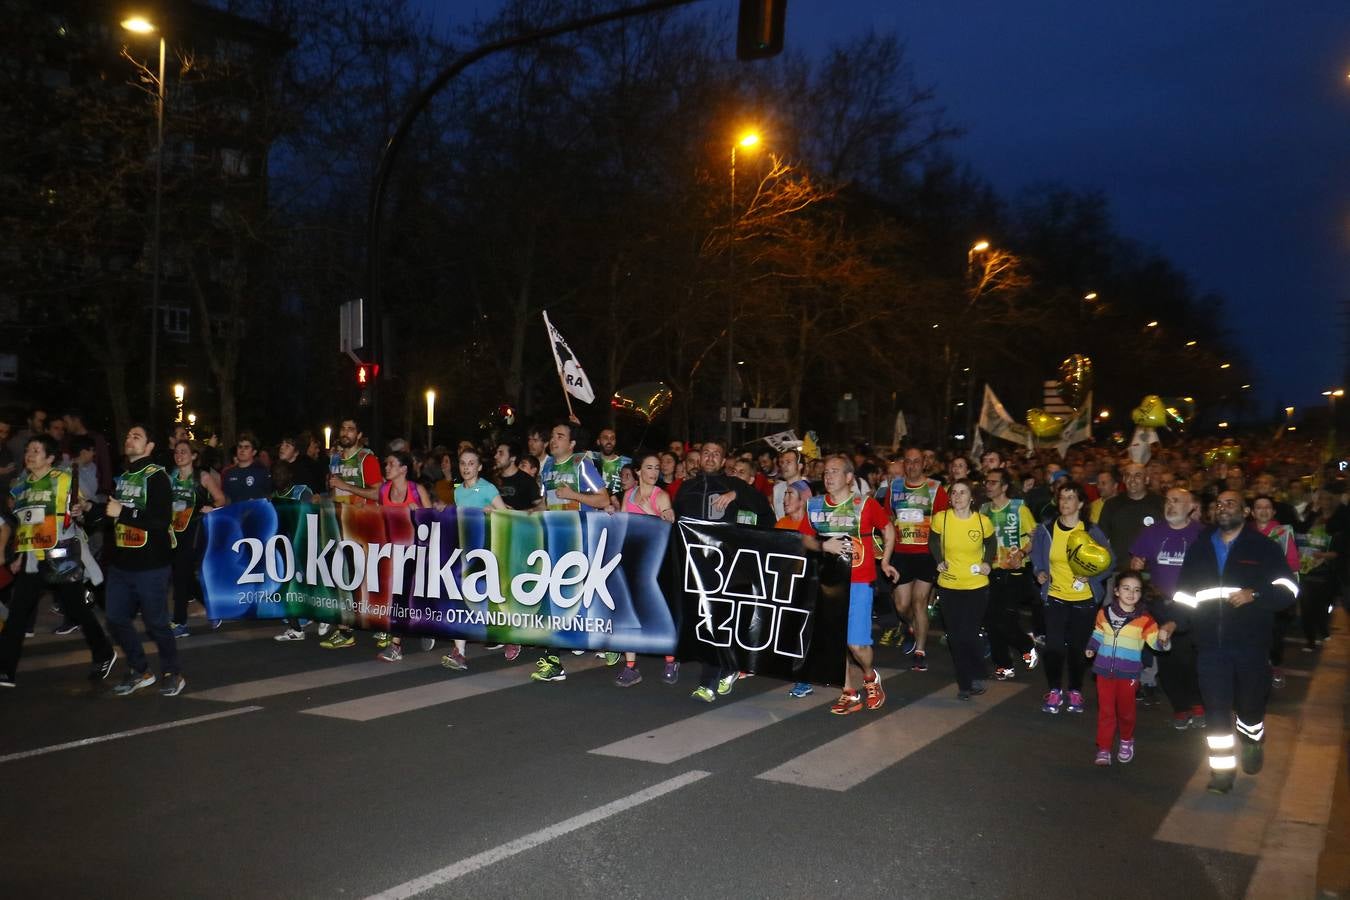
{"x":86,"y":742}
{"x":455,"y":687}
{"x":1231,"y":822}
{"x":81,"y":657}
{"x":1292,"y":844}
{"x":314,"y":678}
{"x":852,"y":758}
{"x":534,"y":839}
{"x":723,"y":723}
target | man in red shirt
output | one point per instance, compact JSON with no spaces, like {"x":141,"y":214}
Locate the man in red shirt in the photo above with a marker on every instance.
{"x":841,"y":523}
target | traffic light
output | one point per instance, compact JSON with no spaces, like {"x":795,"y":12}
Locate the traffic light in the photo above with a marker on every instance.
{"x":366,"y":373}
{"x":759,"y":32}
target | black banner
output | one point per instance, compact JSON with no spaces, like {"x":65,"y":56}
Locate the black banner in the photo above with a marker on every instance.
{"x":755,"y":601}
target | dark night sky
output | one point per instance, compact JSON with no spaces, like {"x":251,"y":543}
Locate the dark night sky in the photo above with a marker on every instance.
{"x":1219,"y":131}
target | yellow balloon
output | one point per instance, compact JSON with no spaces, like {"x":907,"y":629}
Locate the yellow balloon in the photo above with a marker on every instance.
{"x":1087,"y":558}
{"x":1150,"y":413}
{"x":1045,"y":426}
{"x":1075,"y":379}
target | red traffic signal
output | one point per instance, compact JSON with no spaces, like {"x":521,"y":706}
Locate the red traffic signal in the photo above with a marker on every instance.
{"x":366,"y":373}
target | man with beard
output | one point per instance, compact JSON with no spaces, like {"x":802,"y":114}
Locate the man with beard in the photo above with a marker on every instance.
{"x":1233,"y":582}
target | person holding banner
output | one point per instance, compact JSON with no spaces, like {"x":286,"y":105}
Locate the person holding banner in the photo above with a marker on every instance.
{"x":353,"y":477}
{"x":571,"y":482}
{"x":841,"y":523}
{"x":963,"y":545}
{"x":647,"y":499}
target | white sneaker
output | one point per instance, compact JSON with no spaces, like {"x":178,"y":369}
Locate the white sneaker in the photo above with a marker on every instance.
{"x":290,"y":634}
{"x":324,"y":628}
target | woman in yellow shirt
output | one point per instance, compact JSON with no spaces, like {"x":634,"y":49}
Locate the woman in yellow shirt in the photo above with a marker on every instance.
{"x":962,"y":542}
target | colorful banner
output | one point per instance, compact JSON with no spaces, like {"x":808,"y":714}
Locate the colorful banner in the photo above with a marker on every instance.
{"x":755,"y":601}
{"x":556,"y":579}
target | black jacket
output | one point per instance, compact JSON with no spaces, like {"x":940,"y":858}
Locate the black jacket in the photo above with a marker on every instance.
{"x":1254,"y":562}
{"x":692,"y":501}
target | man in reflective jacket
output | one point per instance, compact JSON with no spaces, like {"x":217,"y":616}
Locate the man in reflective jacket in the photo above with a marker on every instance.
{"x":1233,"y":581}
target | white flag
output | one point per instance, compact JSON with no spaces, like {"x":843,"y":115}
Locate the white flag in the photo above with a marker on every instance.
{"x":901,"y":429}
{"x":783,"y":440}
{"x":1141,"y":445}
{"x":1078,"y":428}
{"x":573,"y":376}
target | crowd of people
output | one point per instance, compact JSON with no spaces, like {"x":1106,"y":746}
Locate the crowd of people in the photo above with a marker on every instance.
{"x":1176,"y":568}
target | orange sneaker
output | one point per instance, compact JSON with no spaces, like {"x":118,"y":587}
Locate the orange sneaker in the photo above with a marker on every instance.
{"x":847,"y":703}
{"x":876,"y":695}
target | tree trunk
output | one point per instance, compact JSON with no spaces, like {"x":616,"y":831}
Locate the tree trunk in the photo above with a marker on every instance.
{"x":115,"y":370}
{"x":520,"y":320}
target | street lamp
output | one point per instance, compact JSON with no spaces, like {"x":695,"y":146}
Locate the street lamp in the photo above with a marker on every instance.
{"x":179,"y":392}
{"x":140,"y":25}
{"x":431,"y":415}
{"x":747,"y":141}
{"x":1331,"y":396}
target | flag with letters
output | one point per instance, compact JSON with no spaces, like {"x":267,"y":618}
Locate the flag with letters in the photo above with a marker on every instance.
{"x":573,"y":376}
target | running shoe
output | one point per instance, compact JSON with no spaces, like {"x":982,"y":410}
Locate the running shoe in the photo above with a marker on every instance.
{"x":133,"y":682}
{"x":1277,"y":678}
{"x":548,"y":669}
{"x":7,"y":681}
{"x":1181,"y":721}
{"x":612,"y":658}
{"x":428,"y":644}
{"x":383,"y":639}
{"x":1075,"y":702}
{"x":888,"y":637}
{"x":1031,"y":659}
{"x":324,"y":628}
{"x":455,"y":661}
{"x":290,"y":634}
{"x":671,"y":674}
{"x":1198,"y":719}
{"x":179,"y":631}
{"x":1125,"y":753}
{"x":492,"y":646}
{"x":704,"y":694}
{"x":173,"y":685}
{"x":908,"y":644}
{"x":876,"y":694}
{"x":67,"y":627}
{"x":978,"y":688}
{"x":628,"y":676}
{"x":1103,"y":758}
{"x":1007,"y":674}
{"x":847,"y":704}
{"x":920,"y":661}
{"x":338,"y":640}
{"x":511,"y":652}
{"x":1051,"y":702}
{"x":216,"y":623}
{"x":725,"y":684}
{"x":801,"y":689}
{"x":392,"y":653}
{"x":100,"y":670}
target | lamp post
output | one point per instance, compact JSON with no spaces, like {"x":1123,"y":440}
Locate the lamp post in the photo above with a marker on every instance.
{"x":1331,"y":396}
{"x":179,"y":392}
{"x":139,"y":25}
{"x":747,"y":140}
{"x":431,"y":416}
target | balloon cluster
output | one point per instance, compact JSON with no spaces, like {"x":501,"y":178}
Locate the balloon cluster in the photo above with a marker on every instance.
{"x":1075,"y":383}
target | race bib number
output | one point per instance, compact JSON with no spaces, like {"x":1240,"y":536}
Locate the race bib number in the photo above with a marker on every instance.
{"x":182,"y":514}
{"x":909,"y":515}
{"x":31,"y":515}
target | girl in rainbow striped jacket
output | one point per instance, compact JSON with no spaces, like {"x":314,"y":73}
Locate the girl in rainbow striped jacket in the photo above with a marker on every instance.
{"x":1116,"y":645}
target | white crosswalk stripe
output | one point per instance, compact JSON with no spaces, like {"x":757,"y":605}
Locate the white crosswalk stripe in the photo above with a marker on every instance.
{"x":852,"y":758}
{"x":42,"y":662}
{"x":313,"y":678}
{"x":729,"y":719}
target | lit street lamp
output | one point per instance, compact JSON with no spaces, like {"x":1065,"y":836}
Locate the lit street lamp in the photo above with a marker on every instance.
{"x":179,"y":392}
{"x":431,"y":416}
{"x":747,"y":141}
{"x":139,"y":25}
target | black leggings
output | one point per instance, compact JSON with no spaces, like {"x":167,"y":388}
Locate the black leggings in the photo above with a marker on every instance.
{"x":1003,"y":618}
{"x":1315,"y":595}
{"x":186,"y":586}
{"x":962,"y":612}
{"x":1068,"y":627}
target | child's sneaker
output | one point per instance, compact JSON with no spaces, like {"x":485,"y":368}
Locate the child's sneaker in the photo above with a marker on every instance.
{"x":1126,"y":752}
{"x":1103,"y":758}
{"x":1051,"y":702}
{"x":801,"y":689}
{"x":1075,"y":702}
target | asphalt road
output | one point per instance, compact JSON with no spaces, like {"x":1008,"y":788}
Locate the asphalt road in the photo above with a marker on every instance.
{"x":290,"y":771}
